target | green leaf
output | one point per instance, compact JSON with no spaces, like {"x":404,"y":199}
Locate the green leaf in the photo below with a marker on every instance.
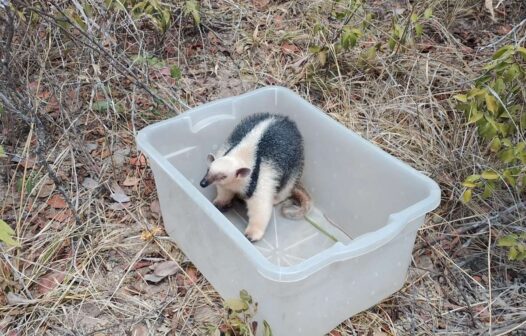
{"x":490,"y":175}
{"x":488,"y":190}
{"x":507,"y":156}
{"x":522,"y":51}
{"x":428,"y":13}
{"x":467,"y":195}
{"x":236,"y":305}
{"x":101,"y":106}
{"x":474,"y":116}
{"x":29,"y":184}
{"x":513,"y":253}
{"x":498,"y":54}
{"x":461,"y":97}
{"x":469,"y":184}
{"x":491,"y":103}
{"x":476,"y":92}
{"x":243,"y":295}
{"x":414,"y":18}
{"x":418,"y":29}
{"x":345,"y":39}
{"x":391,"y":43}
{"x":315,"y":49}
{"x":507,"y":241}
{"x":509,"y":178}
{"x":499,"y":86}
{"x":2,"y":152}
{"x":472,"y":178}
{"x":192,"y":8}
{"x":371,"y":53}
{"x":175,"y":72}
{"x":266,"y":329}
{"x":495,"y":145}
{"x":6,"y":233}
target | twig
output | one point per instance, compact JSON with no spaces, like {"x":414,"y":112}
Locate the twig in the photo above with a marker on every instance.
{"x":472,"y":226}
{"x":492,"y":45}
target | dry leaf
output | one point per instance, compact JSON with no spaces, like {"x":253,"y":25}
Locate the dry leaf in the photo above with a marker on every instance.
{"x":192,"y":275}
{"x":288,"y":48}
{"x":141,"y":264}
{"x":49,"y":281}
{"x":57,"y":202}
{"x":139,"y":161}
{"x":139,"y":330}
{"x":165,"y":268}
{"x":27,"y":163}
{"x":90,"y":183}
{"x":206,"y":315}
{"x":131,"y":181}
{"x":46,"y":190}
{"x":260,"y":4}
{"x":153,"y":278}
{"x":60,"y":216}
{"x":165,"y":71}
{"x":17,"y":299}
{"x":149,"y":234}
{"x":119,"y":206}
{"x":503,"y":30}
{"x":118,"y":194}
{"x":155,"y":208}
{"x":90,"y":146}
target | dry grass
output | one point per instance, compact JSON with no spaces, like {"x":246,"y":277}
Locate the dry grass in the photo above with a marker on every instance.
{"x":80,"y":270}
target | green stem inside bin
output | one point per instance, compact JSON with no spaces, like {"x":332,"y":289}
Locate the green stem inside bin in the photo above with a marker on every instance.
{"x":319,"y":228}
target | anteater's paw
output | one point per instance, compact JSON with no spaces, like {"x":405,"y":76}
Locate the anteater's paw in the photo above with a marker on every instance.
{"x":254,"y":234}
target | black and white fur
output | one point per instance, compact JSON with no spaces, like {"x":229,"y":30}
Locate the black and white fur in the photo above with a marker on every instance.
{"x":261,"y":162}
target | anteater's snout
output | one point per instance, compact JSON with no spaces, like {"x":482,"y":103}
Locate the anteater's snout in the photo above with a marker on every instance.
{"x":204,"y":182}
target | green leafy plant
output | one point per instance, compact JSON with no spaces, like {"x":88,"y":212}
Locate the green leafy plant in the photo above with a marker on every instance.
{"x":401,"y":32}
{"x":157,"y":12}
{"x":496,"y":106}
{"x":350,"y":34}
{"x":516,"y":245}
{"x":240,"y":312}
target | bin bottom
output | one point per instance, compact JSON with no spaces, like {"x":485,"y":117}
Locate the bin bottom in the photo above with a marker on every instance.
{"x":289,"y":242}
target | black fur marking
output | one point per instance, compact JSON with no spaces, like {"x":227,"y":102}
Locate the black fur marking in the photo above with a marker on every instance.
{"x":282,"y":146}
{"x":253,"y":178}
{"x":243,"y":128}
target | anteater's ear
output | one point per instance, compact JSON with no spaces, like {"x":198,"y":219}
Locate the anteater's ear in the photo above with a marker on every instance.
{"x":210,"y":158}
{"x":243,"y":172}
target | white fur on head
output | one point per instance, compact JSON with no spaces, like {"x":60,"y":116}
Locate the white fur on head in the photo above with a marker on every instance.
{"x":227,"y":171}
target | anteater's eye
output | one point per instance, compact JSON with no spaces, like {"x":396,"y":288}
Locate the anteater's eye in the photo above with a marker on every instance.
{"x":222,"y":177}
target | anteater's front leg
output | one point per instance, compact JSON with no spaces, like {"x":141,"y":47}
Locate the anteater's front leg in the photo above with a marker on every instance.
{"x":223,"y":200}
{"x":259,"y":213}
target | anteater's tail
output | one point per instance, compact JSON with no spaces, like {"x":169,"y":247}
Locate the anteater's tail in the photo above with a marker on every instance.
{"x":298,"y":205}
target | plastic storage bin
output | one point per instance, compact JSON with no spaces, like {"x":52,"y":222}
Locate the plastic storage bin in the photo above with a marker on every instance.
{"x":307,"y":276}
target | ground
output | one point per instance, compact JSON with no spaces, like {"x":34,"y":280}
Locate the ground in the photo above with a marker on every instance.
{"x":83,"y":77}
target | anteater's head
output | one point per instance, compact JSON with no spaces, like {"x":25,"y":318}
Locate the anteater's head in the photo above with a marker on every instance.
{"x":224,"y":171}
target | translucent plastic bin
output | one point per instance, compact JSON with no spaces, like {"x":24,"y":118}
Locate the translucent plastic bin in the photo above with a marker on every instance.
{"x":307,"y":276}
